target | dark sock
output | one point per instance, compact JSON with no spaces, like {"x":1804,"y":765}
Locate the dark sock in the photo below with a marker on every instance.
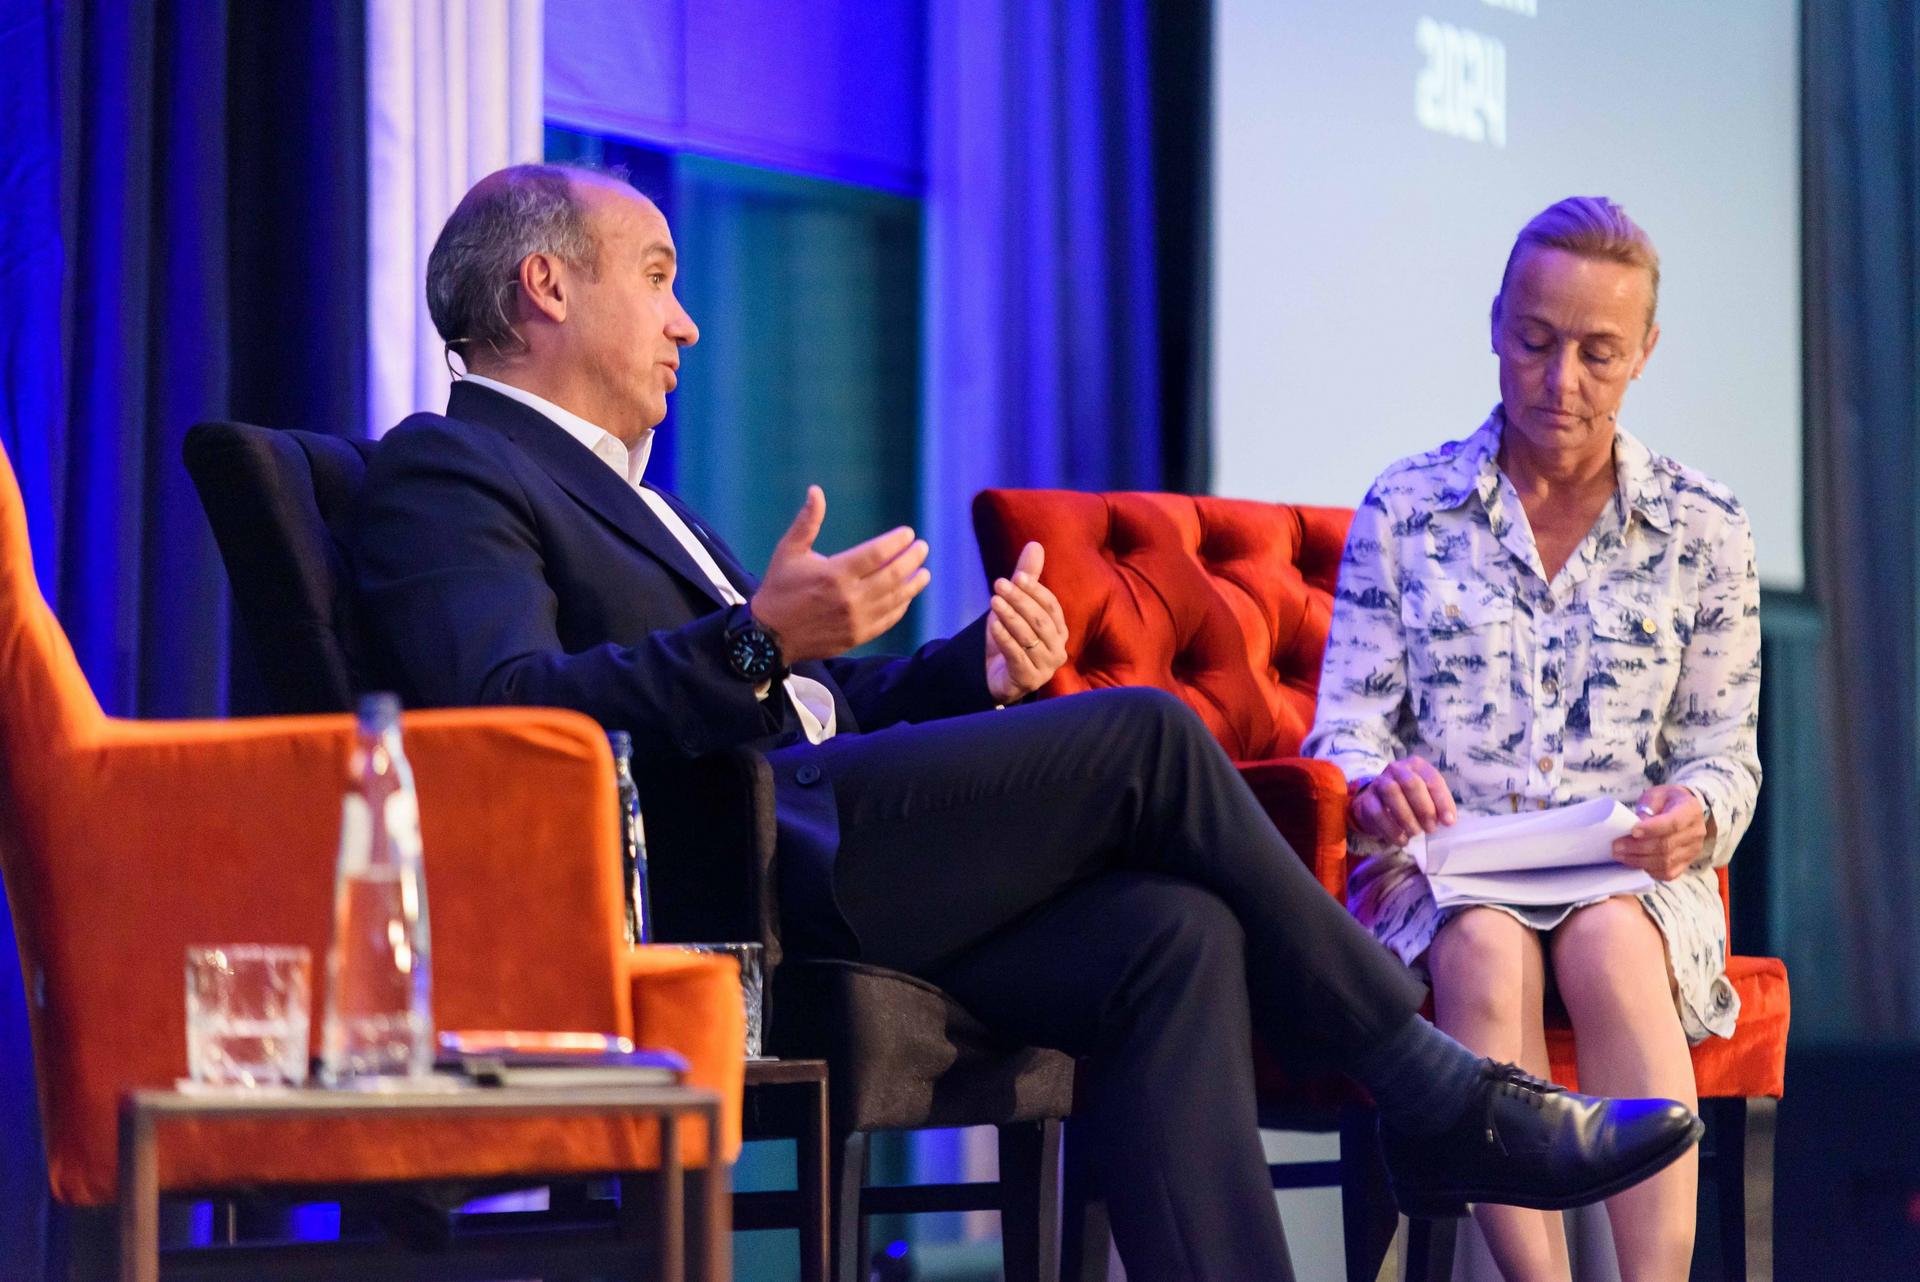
{"x":1420,"y":1079}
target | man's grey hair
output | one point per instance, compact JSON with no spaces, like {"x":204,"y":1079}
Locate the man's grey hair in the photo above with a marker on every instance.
{"x":474,"y":269}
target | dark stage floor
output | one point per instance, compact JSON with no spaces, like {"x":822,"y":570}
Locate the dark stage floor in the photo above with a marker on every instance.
{"x":1847,"y":1173}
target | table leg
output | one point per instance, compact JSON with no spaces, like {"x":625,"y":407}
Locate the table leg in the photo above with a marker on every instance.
{"x":716,"y":1181}
{"x":673,"y":1202}
{"x":139,"y":1198}
{"x":812,"y":1170}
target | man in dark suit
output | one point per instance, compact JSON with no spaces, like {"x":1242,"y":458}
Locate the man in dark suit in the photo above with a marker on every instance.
{"x":1088,"y":873}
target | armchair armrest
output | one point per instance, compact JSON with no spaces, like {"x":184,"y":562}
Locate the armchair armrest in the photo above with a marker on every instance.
{"x":1307,"y":800}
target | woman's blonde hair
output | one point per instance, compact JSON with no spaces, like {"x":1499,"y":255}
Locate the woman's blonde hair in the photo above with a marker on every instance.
{"x":1588,"y":227}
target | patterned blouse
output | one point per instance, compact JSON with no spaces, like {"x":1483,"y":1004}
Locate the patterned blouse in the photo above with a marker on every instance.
{"x":1638,"y":664}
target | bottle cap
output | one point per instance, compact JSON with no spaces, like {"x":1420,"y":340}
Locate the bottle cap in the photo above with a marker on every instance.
{"x":379,"y":712}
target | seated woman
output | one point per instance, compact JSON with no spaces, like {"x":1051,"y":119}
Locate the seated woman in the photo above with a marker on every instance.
{"x":1544,"y":613}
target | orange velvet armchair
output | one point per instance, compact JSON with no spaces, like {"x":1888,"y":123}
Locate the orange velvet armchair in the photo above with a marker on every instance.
{"x":1227,"y":603}
{"x":123,"y":842}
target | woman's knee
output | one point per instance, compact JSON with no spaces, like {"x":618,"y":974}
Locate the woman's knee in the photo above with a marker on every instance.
{"x":1609,"y":953}
{"x":1477,"y":960}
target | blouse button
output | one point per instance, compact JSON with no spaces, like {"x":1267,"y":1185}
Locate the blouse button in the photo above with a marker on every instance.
{"x":1649,"y":627}
{"x":1546,"y":606}
{"x":1550,"y":687}
{"x":1453,"y":612}
{"x":1546,"y":764}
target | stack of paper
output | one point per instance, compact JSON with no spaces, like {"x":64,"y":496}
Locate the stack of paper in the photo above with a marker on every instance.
{"x":1536,"y":857}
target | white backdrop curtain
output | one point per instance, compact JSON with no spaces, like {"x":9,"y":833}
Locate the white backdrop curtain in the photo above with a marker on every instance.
{"x":453,"y":93}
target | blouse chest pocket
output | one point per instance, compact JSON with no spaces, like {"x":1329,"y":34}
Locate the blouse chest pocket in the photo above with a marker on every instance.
{"x":1633,"y":662}
{"x":1459,"y":655}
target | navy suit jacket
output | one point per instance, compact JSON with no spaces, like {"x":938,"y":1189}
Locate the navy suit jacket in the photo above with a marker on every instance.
{"x":500,"y":561}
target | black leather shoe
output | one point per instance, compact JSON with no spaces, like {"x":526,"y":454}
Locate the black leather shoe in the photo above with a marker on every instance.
{"x":1525,"y":1142}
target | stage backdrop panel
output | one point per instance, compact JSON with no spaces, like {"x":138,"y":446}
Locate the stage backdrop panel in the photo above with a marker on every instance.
{"x":1372,"y":165}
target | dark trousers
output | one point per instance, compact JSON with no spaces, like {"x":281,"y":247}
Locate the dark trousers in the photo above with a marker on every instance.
{"x":1092,"y":874}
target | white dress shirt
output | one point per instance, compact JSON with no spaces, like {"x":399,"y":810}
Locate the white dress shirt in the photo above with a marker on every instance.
{"x":812,"y":701}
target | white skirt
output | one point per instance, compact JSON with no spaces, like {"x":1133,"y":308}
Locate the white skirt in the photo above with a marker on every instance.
{"x":1388,"y":895}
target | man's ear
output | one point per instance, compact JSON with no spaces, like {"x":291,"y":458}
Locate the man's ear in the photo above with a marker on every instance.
{"x":544,"y":286}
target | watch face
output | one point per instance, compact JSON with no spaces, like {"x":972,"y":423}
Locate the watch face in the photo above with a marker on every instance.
{"x":751,"y":653}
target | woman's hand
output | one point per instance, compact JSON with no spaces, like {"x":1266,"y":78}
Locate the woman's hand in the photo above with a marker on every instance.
{"x":1670,"y":834}
{"x":1406,"y":798}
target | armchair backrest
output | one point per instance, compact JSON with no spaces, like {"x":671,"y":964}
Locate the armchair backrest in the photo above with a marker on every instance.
{"x":1224,"y":602}
{"x":278,"y":500}
{"x":45,"y":701}
{"x":124,"y":841}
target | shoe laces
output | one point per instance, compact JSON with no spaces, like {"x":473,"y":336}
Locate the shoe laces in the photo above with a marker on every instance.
{"x":1512,"y":1080}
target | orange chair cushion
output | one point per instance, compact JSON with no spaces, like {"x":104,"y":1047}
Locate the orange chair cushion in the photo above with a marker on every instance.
{"x":1751,"y":1062}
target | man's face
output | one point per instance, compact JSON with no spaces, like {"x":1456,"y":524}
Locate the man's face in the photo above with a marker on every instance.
{"x":628,"y":327}
{"x":1570,"y":333}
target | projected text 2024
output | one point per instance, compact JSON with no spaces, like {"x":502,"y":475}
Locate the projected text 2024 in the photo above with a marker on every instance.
{"x":1461,"y":87}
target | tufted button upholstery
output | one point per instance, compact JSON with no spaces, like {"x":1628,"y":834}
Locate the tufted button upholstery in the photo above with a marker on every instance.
{"x":1225,"y":602}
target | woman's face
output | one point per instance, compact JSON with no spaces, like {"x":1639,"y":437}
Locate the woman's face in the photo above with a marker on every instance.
{"x":1570,"y":333}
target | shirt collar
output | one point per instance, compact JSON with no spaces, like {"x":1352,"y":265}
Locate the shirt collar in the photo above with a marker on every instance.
{"x":1637,"y":476}
{"x":1474,"y":469}
{"x":608,"y":448}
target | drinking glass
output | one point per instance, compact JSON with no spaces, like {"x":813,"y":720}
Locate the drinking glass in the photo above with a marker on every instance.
{"x":748,"y":957}
{"x":247,"y":1014}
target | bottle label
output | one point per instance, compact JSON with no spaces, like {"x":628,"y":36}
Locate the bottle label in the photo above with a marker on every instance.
{"x":403,"y":823}
{"x":356,"y":833}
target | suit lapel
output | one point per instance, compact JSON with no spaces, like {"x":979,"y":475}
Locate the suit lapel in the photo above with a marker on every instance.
{"x":737,"y":574}
{"x":578,"y":471}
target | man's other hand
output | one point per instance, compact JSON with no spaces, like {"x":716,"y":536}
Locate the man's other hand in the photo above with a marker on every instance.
{"x":1026,"y":630}
{"x":821,"y":606}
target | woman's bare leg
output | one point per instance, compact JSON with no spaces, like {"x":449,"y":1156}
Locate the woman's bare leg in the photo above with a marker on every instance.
{"x":1474,"y":961}
{"x":1610,"y":962}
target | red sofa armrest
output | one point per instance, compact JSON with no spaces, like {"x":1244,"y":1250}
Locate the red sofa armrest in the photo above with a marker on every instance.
{"x":1307,"y":800}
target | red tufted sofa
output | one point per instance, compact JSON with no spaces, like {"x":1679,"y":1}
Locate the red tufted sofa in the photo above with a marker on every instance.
{"x":1227,"y":602}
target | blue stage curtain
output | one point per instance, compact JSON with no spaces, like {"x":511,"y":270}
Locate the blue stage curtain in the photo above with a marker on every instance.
{"x":182,"y":219}
{"x":30,"y":431}
{"x":1861,"y":150}
{"x":1042,"y":340}
{"x":137,"y":582}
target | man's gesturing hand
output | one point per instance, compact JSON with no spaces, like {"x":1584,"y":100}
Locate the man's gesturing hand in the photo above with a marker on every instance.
{"x":1026,"y":630}
{"x":821,"y":606}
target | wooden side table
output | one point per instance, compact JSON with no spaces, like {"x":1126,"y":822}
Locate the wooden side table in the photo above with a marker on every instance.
{"x":141,"y":1137}
{"x":787,"y":1099}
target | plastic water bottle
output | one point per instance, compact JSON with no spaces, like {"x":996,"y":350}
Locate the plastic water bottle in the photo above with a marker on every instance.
{"x":633,"y":841}
{"x":378,"y":1029}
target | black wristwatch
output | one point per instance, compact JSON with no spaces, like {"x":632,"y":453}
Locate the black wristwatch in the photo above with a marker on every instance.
{"x":753,"y":652}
